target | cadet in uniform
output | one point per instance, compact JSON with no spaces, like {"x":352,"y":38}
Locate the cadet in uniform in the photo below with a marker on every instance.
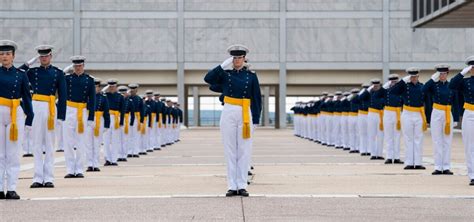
{"x":362,"y":120}
{"x":375,"y":119}
{"x":112,"y":142}
{"x":466,"y":87}
{"x":102,"y":124}
{"x":442,"y":122}
{"x":127,"y":122}
{"x":392,"y":121}
{"x":80,"y":99}
{"x":15,"y":89}
{"x":135,"y":142}
{"x":45,"y":80}
{"x":345,"y":108}
{"x":242,"y":107}
{"x":353,"y":119}
{"x":413,"y":118}
{"x":151,"y":132}
{"x":159,"y":121}
{"x":179,"y":121}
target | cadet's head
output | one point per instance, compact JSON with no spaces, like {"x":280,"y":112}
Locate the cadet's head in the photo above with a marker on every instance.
{"x":123,"y":90}
{"x":133,"y":88}
{"x":78,"y":64}
{"x":470,"y":62}
{"x":376,"y":84}
{"x":157,"y":96}
{"x":414,"y":74}
{"x":7,"y":52}
{"x":443,"y":70}
{"x":112,"y":85}
{"x":337,"y":95}
{"x":393,"y":78}
{"x":97,"y":85}
{"x":45,"y":54}
{"x":238,"y":52}
{"x":149,"y":94}
{"x":169,"y":103}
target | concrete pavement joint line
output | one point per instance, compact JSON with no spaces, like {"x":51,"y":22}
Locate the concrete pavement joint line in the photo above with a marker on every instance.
{"x":242,"y":206}
{"x":30,"y":166}
{"x":368,"y":196}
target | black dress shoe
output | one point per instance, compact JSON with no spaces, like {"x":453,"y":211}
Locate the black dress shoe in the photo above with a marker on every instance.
{"x":352,"y":151}
{"x":373,"y":158}
{"x":36,"y":185}
{"x":157,"y":148}
{"x":397,"y":161}
{"x":124,"y":160}
{"x":356,"y":151}
{"x":420,"y":167}
{"x":107,"y":163}
{"x":409,"y":167}
{"x":149,"y":151}
{"x":250,"y":173}
{"x":2,"y":195}
{"x":346,"y":149}
{"x":69,"y":176}
{"x":471,"y":183}
{"x":119,"y":160}
{"x":129,"y":156}
{"x":48,"y":185}
{"x":96,"y":169}
{"x":79,"y":175}
{"x":12,"y":195}
{"x":114,"y":164}
{"x":437,"y":172}
{"x":447,"y":172}
{"x":136,"y":156}
{"x":243,"y":192}
{"x":60,"y":151}
{"x":90,"y":169}
{"x":231,"y":193}
{"x":324,"y":144}
{"x":163,"y":145}
{"x":380,"y":158}
{"x":388,"y":161}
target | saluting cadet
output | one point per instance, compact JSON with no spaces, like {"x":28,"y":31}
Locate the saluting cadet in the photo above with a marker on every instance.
{"x":159,"y":121}
{"x":135,"y":142}
{"x":375,"y":119}
{"x":392,"y":121}
{"x":112,"y":141}
{"x":15,"y":89}
{"x":466,"y":87}
{"x":329,"y":120}
{"x":144,"y":127}
{"x":353,"y":121}
{"x":242,"y":107}
{"x":151,"y":132}
{"x":362,"y":120}
{"x":413,"y":118}
{"x":59,"y":128}
{"x":322,"y":118}
{"x":80,"y":99}
{"x":102,"y":124}
{"x":169,"y":122}
{"x":445,"y":107}
{"x":45,"y":80}
{"x":127,"y":122}
{"x":179,"y":121}
{"x":315,"y":123}
{"x":336,"y":121}
{"x":164,"y":130}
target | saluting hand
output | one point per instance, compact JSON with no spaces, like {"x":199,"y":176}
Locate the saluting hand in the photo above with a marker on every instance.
{"x":227,"y":63}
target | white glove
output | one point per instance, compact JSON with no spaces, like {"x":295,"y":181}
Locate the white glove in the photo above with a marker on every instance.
{"x":68,"y":69}
{"x":27,"y":129}
{"x":31,"y":61}
{"x":227,"y":64}
{"x":455,"y":124}
{"x":370,"y":88}
{"x":59,"y":123}
{"x":466,"y":70}
{"x":435,"y":77}
{"x":327,"y":100}
{"x":104,"y":90}
{"x":343,"y":98}
{"x":90,"y":124}
{"x":362,"y":91}
{"x":350,"y":97}
{"x":105,"y":130}
{"x":406,"y":79}
{"x":387,"y":84}
{"x":254,"y":126}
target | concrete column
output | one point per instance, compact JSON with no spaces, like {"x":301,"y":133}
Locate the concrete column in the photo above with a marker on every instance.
{"x":196,"y":105}
{"x":266,"y":105}
{"x":77,"y":27}
{"x":386,"y":40}
{"x":180,"y":68}
{"x":282,"y":71}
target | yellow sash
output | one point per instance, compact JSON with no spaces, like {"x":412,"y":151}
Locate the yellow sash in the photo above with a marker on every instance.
{"x":353,"y":113}
{"x":13,"y":104}
{"x":447,"y":113}
{"x":153,"y":118}
{"x":245,"y":103}
{"x":98,"y":116}
{"x":421,"y":110}
{"x":127,"y":122}
{"x":143,"y":129}
{"x":52,"y":107}
{"x":137,"y":116}
{"x":469,"y":106}
{"x":363,"y":112}
{"x":160,"y":118}
{"x":380,"y":112}
{"x":80,"y":113}
{"x":116,"y":115}
{"x":397,"y":110}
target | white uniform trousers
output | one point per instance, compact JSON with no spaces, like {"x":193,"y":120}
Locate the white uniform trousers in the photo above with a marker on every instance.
{"x":73,"y":139}
{"x":135,"y":143}
{"x":374,"y":135}
{"x":112,"y":141}
{"x":336,"y":130}
{"x":42,"y":139}
{"x":308,"y":126}
{"x":59,"y":134}
{"x":362,"y":128}
{"x":151,"y":137}
{"x":343,"y":135}
{"x":412,"y":130}
{"x":124,"y":142}
{"x":314,"y":128}
{"x":468,"y":140}
{"x":441,"y":141}
{"x":391,"y":135}
{"x":322,"y":128}
{"x":93,"y":146}
{"x":295,"y":124}
{"x":353,"y":133}
{"x":329,"y":125}
{"x":237,"y":150}
{"x":10,"y":150}
{"x":27,"y":143}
